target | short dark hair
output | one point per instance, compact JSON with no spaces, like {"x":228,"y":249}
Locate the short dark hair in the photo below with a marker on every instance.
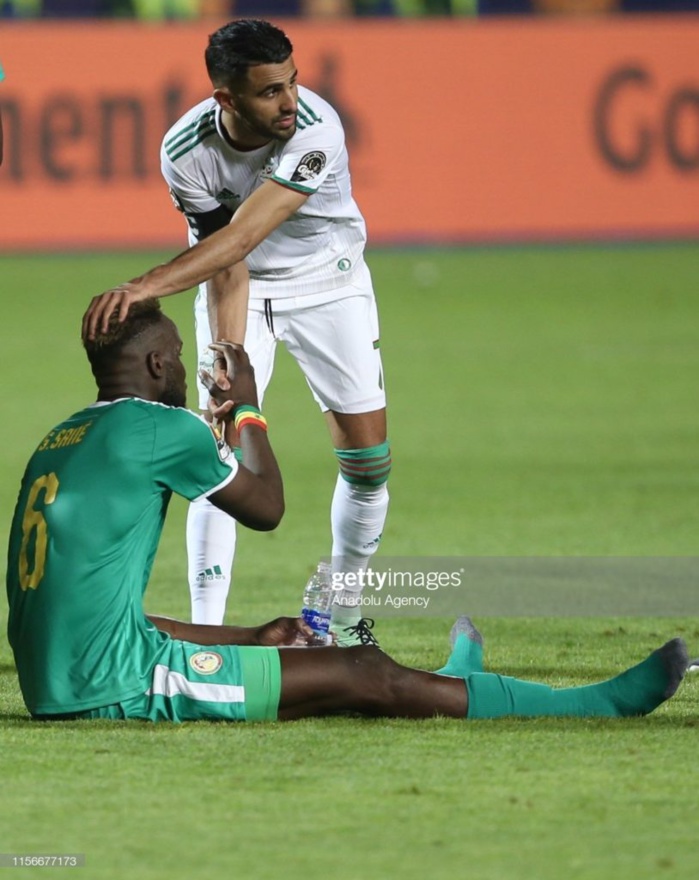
{"x":105,"y":347}
{"x":241,"y":44}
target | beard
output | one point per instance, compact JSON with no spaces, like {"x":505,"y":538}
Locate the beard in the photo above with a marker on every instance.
{"x":174,"y":397}
{"x":260,"y":129}
{"x":174,"y":393}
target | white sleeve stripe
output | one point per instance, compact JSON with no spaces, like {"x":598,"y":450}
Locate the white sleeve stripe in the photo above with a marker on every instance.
{"x":173,"y":684}
{"x":224,"y":482}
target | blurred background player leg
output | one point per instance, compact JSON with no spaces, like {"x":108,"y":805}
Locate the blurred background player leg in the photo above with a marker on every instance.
{"x":211,"y":537}
{"x":211,"y":533}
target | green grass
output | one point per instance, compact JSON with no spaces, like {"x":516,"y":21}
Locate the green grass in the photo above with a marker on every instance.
{"x":542,"y":402}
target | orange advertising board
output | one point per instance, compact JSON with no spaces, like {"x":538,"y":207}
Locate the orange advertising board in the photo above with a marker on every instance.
{"x":458,"y":131}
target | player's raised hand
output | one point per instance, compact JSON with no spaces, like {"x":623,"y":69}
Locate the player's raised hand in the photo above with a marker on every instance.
{"x":119,"y":299}
{"x":284,"y":631}
{"x":239,"y":376}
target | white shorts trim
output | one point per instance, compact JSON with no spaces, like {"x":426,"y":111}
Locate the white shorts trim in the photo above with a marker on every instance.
{"x":173,"y":684}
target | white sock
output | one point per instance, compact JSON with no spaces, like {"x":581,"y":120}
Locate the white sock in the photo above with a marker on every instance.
{"x":357,"y":516}
{"x":210,"y":551}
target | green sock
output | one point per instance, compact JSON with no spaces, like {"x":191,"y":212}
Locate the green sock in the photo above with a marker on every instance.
{"x":466,"y":657}
{"x":637,"y":691}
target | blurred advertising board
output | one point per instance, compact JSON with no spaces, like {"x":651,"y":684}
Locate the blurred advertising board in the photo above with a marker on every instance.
{"x":459,"y":131}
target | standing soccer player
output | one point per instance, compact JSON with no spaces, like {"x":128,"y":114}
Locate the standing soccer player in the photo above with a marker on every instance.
{"x":260,"y":171}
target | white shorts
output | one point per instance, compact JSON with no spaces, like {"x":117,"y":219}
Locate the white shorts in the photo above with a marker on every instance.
{"x":333,"y":337}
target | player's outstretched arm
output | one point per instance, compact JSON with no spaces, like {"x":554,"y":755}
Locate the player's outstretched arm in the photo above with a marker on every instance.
{"x":260,"y":214}
{"x":277,"y":633}
{"x":255,"y":496}
{"x":228,"y":292}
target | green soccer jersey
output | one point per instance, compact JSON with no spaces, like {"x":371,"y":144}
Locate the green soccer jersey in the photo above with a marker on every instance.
{"x":86,"y":527}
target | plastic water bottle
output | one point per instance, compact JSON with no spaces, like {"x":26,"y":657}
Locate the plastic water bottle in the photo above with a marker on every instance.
{"x":317,"y":602}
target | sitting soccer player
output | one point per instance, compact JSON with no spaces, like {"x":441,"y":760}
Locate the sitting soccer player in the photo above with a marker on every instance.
{"x":89,"y":516}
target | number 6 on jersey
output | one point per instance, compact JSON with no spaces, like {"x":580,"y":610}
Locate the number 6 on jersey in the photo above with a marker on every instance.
{"x":34,"y":520}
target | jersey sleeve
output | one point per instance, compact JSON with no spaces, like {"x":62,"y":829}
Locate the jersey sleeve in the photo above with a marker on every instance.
{"x":310,"y":157}
{"x":202,"y":212}
{"x":187,"y":457}
{"x":188,"y":195}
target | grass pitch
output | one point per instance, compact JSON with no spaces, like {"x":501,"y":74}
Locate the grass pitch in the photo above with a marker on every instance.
{"x":541,"y":402}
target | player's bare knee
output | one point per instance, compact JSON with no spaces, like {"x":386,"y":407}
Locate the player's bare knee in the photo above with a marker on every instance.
{"x":373,"y":674}
{"x":363,"y":655}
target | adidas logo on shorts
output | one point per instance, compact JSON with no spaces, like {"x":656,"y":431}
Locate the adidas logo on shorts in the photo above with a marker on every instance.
{"x":210,"y":574}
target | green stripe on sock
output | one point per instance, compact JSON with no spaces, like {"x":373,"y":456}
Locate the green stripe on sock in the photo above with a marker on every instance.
{"x":366,"y":477}
{"x":382,"y":449}
{"x":365,"y":467}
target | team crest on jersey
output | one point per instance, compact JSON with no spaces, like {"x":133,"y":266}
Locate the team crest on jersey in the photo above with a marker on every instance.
{"x":270,"y":167}
{"x":206,"y":662}
{"x":224,"y":450}
{"x":309,"y":167}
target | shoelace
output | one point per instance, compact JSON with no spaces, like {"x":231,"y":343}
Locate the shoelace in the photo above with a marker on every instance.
{"x":363,"y":631}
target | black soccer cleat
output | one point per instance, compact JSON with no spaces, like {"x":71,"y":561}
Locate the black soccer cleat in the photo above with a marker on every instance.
{"x":359,"y":633}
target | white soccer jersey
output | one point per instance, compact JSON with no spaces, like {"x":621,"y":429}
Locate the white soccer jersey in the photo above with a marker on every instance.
{"x":320,"y":246}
